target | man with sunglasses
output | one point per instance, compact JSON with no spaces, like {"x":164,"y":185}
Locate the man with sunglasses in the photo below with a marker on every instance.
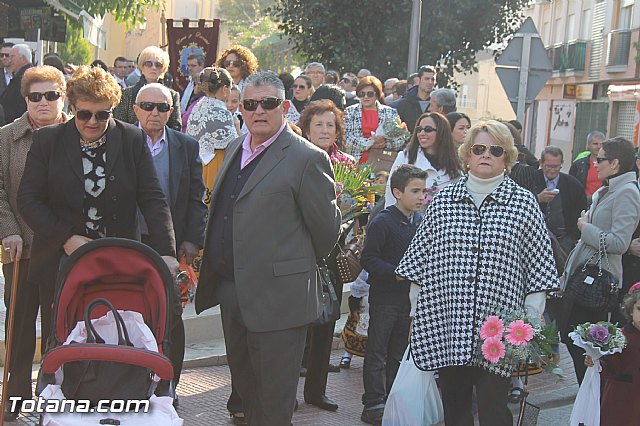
{"x":179,"y":169}
{"x":12,"y":101}
{"x":5,"y":71}
{"x":416,"y":100}
{"x":273,"y":213}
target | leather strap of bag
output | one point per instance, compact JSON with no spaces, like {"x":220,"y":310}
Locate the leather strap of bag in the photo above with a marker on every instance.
{"x":92,"y":334}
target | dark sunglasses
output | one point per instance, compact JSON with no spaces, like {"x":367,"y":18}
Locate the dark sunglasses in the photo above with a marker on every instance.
{"x":4,"y":55}
{"x":266,"y":103}
{"x":151,"y":64}
{"x":150,"y":106}
{"x":601,"y":159}
{"x":85,"y":115}
{"x":495,"y":150}
{"x":426,"y":129}
{"x":367,"y":94}
{"x":51,"y":95}
{"x":235,"y":63}
{"x":299,"y":86}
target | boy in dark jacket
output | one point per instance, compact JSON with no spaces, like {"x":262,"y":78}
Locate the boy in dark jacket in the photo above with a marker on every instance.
{"x":388,"y":237}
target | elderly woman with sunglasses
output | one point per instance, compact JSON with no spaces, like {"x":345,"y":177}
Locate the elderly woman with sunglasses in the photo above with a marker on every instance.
{"x":87,"y":179}
{"x":469,"y":259}
{"x":240,"y":62}
{"x":154,"y":63}
{"x":433,"y":149}
{"x":211,"y":123}
{"x":365,"y":121}
{"x":43,"y":90}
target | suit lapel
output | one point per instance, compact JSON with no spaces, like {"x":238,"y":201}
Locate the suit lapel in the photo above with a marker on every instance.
{"x":72,"y":148}
{"x":114,"y":145}
{"x":176,"y":162}
{"x":271,"y":158}
{"x":234,"y":148}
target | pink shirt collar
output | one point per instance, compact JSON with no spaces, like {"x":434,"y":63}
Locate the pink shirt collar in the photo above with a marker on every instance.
{"x":248,"y":156}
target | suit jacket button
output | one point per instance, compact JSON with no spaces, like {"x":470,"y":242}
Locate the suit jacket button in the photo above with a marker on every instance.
{"x":474,"y":250}
{"x":470,"y":279}
{"x":114,"y":198}
{"x":114,"y":217}
{"x":112,"y":178}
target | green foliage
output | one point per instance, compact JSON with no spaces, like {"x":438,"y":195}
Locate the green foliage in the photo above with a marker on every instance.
{"x":375,"y":33}
{"x":129,"y":12}
{"x":76,"y":50}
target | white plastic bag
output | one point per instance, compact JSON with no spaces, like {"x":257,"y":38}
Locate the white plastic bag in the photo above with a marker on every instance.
{"x":414,"y":399}
{"x":586,"y":408}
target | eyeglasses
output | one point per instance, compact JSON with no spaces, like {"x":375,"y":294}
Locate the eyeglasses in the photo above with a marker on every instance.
{"x":235,"y":63}
{"x":85,"y":115}
{"x":299,"y":86}
{"x":151,"y":64}
{"x":317,"y":72}
{"x":601,"y":159}
{"x":268,"y":103}
{"x":426,"y":129}
{"x":4,"y":55}
{"x":150,"y":106}
{"x":370,"y":94}
{"x":51,"y":95}
{"x":495,"y":150}
{"x":551,"y":167}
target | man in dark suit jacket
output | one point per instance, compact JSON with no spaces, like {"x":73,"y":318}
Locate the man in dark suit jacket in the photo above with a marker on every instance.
{"x":5,"y":70}
{"x":561,"y":198}
{"x":11,"y":99}
{"x":177,"y":160}
{"x":273,"y":212}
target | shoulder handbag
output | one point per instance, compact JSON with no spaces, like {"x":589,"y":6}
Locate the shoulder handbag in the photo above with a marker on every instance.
{"x":348,"y":261}
{"x":97,"y":380}
{"x":591,"y":286}
{"x":381,"y":159}
{"x":330,"y":304}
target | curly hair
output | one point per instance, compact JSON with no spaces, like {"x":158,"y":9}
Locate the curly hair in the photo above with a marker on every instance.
{"x":42,"y":74}
{"x":212,"y":79}
{"x":249,"y":61}
{"x":628,"y":302}
{"x":93,"y":84}
{"x":373,"y":82}
{"x":500,"y":134}
{"x":319,"y":107}
{"x":446,"y":155}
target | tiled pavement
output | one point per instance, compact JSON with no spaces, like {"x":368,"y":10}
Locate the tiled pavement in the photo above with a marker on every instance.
{"x":204,"y":391}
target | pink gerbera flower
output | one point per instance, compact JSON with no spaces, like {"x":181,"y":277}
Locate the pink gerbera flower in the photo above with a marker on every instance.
{"x":519,"y":333}
{"x":493,"y":349}
{"x":492,"y":327}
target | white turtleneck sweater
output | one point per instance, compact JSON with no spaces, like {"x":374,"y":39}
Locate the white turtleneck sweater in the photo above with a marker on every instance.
{"x":479,"y":188}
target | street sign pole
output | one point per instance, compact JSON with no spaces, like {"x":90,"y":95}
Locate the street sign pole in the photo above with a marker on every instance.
{"x":414,"y":37}
{"x":524,"y":76}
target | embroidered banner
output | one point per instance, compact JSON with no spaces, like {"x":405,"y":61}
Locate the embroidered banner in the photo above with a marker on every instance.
{"x":185,"y":40}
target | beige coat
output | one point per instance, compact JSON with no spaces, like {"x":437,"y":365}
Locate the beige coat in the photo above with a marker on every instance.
{"x":15,"y":142}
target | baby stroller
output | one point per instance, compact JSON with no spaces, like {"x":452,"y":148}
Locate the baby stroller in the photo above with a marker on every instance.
{"x":131,"y":277}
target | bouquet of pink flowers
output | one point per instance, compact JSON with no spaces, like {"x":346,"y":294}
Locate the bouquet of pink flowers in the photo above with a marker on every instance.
{"x":516,"y":340}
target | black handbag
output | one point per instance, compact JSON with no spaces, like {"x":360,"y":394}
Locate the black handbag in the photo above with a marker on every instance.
{"x":591,"y":286}
{"x":330,"y":304}
{"x":98,"y":380}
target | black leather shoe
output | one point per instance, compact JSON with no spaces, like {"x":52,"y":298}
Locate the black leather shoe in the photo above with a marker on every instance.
{"x":303,"y":372}
{"x":10,"y":416}
{"x":323,"y":403}
{"x":334,"y":368}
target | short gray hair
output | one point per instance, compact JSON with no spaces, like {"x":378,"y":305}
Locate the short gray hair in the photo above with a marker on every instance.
{"x":24,"y":51}
{"x":445,"y":98}
{"x":553,"y":151}
{"x":264,"y":78}
{"x":593,"y":135}
{"x":314,"y":65}
{"x":164,"y":89}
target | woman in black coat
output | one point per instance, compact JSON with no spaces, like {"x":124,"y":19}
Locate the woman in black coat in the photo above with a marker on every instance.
{"x":85,"y":179}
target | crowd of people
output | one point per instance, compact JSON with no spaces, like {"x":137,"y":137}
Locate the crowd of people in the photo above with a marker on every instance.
{"x":233,"y":175}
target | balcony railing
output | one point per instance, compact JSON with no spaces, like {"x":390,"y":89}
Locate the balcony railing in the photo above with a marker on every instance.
{"x":618,"y":43}
{"x":568,"y":56}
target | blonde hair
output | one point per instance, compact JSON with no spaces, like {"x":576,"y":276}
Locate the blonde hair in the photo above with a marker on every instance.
{"x":152,"y":52}
{"x":93,"y":84}
{"x":501,"y":136}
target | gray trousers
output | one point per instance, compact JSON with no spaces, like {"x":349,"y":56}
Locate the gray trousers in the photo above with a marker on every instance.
{"x":265,"y":366}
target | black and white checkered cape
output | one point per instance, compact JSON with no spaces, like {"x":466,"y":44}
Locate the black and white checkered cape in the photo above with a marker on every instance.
{"x":470,"y":263}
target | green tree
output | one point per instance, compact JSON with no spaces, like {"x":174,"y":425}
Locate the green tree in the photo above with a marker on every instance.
{"x":129,"y":12}
{"x":76,"y":50}
{"x":375,"y":33}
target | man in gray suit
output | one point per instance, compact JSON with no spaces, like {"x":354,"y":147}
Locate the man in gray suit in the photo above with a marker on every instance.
{"x":179,"y":169}
{"x":273,"y":212}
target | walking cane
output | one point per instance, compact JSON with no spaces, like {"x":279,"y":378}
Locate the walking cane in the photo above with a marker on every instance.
{"x":7,"y":343}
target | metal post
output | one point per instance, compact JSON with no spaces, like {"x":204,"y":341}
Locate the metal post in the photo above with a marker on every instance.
{"x":524,"y":76}
{"x":414,"y":37}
